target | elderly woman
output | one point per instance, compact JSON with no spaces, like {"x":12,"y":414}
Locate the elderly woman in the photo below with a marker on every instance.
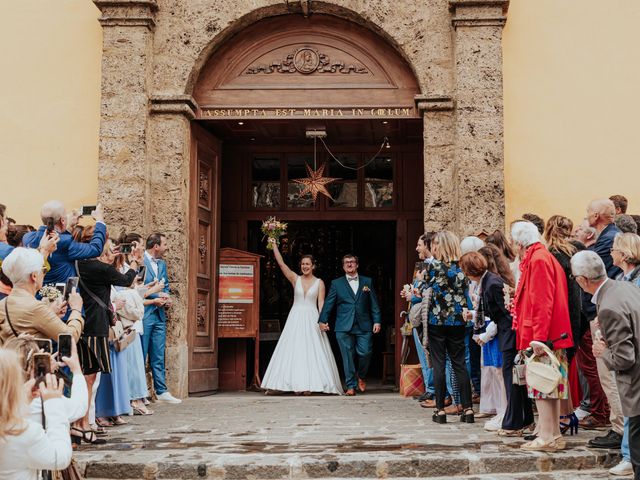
{"x":446,"y":324}
{"x":20,"y":312}
{"x":541,"y":313}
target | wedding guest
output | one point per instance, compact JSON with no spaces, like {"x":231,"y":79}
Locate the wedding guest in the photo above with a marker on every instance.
{"x":26,"y":446}
{"x":498,"y":239}
{"x":618,"y":307}
{"x":155,"y":315}
{"x":447,"y":327}
{"x":620,"y":203}
{"x":96,"y":278}
{"x":585,"y":234}
{"x":69,"y":250}
{"x":626,"y":223}
{"x":25,"y":269}
{"x":626,"y":255}
{"x":601,"y":215}
{"x":470,"y":244}
{"x":541,"y":312}
{"x":5,"y":248}
{"x":536,"y":220}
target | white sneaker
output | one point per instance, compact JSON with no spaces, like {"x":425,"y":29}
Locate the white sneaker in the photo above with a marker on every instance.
{"x":494,"y":424}
{"x":623,"y":469}
{"x":167,"y":397}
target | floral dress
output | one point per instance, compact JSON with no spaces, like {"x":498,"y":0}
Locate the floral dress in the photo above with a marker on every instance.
{"x":450,"y":294}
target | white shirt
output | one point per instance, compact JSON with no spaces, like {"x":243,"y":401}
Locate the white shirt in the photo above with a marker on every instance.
{"x":36,"y":449}
{"x":154,"y":264}
{"x":355,"y":283}
{"x":75,"y":407}
{"x":594,"y":299}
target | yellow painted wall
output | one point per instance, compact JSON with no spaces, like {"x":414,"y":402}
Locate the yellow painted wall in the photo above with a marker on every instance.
{"x":571,"y":84}
{"x":572,"y":97}
{"x":50,"y":54}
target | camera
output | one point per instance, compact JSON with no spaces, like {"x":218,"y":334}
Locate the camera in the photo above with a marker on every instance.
{"x":88,"y":209}
{"x":126,"y":248}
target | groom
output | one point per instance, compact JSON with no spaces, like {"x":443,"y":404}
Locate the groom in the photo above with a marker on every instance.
{"x":357,"y":319}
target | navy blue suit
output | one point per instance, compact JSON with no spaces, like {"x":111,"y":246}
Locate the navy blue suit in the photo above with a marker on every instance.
{"x":155,"y":328}
{"x":356,"y":313}
{"x":603,"y":248}
{"x":62,"y":261}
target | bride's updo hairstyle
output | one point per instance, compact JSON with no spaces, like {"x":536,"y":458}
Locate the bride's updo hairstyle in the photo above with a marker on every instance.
{"x":310,"y":257}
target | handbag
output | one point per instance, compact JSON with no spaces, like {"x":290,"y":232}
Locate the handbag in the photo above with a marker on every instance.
{"x":518,"y":373}
{"x":427,"y":295}
{"x":120,"y":336}
{"x":411,"y":381}
{"x":543,"y":376}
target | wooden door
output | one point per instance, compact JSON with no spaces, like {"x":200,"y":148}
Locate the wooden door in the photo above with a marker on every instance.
{"x":204,"y":234}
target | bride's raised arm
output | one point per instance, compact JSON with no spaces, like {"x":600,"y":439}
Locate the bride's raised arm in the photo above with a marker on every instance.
{"x":321,"y":293}
{"x":290,"y":274}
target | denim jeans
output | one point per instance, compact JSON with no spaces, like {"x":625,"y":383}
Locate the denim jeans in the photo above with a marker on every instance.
{"x":153,"y":343}
{"x":626,"y":453}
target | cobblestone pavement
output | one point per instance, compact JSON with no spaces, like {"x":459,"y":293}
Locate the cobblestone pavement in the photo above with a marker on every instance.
{"x":382,"y":435}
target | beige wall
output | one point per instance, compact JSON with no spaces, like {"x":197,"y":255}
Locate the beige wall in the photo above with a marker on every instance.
{"x":50,"y":104}
{"x":571,"y":73}
{"x":571,"y":86}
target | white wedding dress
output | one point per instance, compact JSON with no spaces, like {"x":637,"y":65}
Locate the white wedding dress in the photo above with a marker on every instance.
{"x":303,"y":360}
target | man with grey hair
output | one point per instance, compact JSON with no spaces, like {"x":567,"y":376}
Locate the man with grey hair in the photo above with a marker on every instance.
{"x":470,"y":244}
{"x":585,"y":234}
{"x":617,"y":338}
{"x":626,"y":223}
{"x":68,"y":251}
{"x":600,"y":215}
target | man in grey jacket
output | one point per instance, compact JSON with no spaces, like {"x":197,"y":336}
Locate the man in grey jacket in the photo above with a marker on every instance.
{"x":618,"y":305}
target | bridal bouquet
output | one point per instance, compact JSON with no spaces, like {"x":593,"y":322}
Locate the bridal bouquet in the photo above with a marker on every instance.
{"x":49,"y":293}
{"x":273,"y":228}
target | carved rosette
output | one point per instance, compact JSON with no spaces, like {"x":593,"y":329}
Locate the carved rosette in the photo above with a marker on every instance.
{"x":202,"y":248}
{"x":307,"y":60}
{"x":203,"y":187}
{"x":201,"y":316}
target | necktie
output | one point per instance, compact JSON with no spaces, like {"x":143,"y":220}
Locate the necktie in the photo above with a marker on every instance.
{"x":352,"y":279}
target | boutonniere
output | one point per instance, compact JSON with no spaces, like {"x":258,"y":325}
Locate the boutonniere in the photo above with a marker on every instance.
{"x":366,"y":289}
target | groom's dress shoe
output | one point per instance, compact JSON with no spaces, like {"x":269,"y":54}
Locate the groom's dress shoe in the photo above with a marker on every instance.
{"x":350,"y":392}
{"x":362,"y":385}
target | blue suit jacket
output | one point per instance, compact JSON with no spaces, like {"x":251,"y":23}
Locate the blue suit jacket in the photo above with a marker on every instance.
{"x":353,"y":311}
{"x":150,"y":276}
{"x":68,"y":251}
{"x":603,"y":248}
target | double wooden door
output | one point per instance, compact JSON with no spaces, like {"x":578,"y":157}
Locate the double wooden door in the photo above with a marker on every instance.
{"x":204,"y":239}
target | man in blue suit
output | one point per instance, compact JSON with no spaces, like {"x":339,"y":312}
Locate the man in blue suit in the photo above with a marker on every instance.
{"x":357,"y":319}
{"x":155,"y":316}
{"x":62,"y":261}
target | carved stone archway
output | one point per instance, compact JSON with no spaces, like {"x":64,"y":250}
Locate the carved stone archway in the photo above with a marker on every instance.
{"x":153,"y":54}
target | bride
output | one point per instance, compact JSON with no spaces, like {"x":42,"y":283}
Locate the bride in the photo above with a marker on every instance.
{"x":302,"y":361}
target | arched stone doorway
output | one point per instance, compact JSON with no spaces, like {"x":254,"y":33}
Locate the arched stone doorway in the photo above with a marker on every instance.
{"x":154,"y":52}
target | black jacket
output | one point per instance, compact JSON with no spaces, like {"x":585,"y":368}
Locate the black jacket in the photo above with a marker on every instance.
{"x":493,"y":305}
{"x":98,"y":277}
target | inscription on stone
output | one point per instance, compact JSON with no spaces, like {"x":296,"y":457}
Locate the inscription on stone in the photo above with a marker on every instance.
{"x":319,"y":112}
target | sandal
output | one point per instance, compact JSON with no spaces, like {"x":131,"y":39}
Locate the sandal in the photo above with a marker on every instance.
{"x":539,"y":445}
{"x":87,"y":436}
{"x":118,"y":421}
{"x":571,"y":425}
{"x":467,"y":416}
{"x":104,"y":422}
{"x":142,"y":411}
{"x":439,"y":416}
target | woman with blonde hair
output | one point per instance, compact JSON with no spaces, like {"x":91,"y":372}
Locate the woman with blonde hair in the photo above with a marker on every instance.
{"x":26,"y":447}
{"x":446,"y":324}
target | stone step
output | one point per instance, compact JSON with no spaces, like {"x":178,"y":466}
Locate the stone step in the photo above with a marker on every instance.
{"x":403,"y":464}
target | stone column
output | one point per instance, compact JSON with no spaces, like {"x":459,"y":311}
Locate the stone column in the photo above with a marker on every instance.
{"x":440,"y":208}
{"x":127,"y":27}
{"x":479,"y":149}
{"x":169,"y":145}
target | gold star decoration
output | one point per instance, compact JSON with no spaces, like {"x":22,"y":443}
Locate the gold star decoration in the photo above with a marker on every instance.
{"x":315,"y":183}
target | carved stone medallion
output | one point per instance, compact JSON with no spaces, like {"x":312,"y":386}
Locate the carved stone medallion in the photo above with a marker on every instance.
{"x":306,"y":60}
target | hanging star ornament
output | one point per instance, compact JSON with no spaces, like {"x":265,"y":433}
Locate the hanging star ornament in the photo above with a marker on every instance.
{"x":315,"y":182}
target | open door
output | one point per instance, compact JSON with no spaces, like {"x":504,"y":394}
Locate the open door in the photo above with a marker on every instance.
{"x":204,"y":235}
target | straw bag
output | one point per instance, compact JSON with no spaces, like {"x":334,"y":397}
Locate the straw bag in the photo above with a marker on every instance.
{"x":541,"y":376}
{"x":411,"y":381}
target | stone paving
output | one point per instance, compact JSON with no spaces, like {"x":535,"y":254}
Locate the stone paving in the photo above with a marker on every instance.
{"x":377,"y":435}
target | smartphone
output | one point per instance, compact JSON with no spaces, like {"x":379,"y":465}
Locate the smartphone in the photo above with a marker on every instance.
{"x":64,"y":345}
{"x":44,"y":344}
{"x":60,"y":287}
{"x":88,"y":209}
{"x":51,"y":225}
{"x":41,"y":366}
{"x":142,"y":273}
{"x":72,"y":282}
{"x":126,"y":248}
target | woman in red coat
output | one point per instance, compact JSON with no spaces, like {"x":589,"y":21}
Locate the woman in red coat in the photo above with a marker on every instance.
{"x":541,"y":313}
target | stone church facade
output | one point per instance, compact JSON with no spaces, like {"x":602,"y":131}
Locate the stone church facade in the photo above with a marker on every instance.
{"x":154,"y":52}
